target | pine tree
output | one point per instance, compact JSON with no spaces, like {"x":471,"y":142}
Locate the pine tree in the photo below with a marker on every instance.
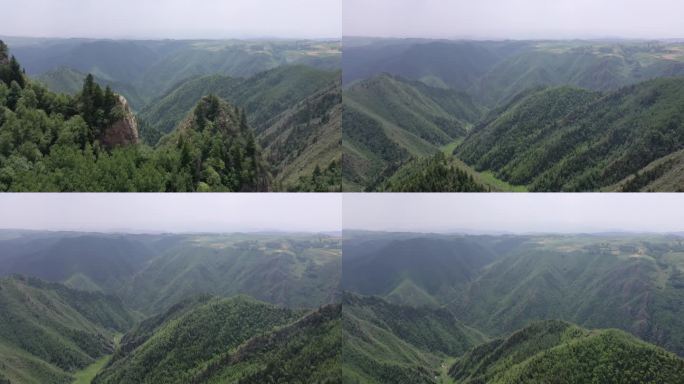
{"x":16,"y":74}
{"x":243,"y":120}
{"x":14,"y":95}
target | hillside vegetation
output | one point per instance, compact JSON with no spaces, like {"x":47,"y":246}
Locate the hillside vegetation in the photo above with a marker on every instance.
{"x":433,"y":174}
{"x":296,"y":112}
{"x":49,"y":331}
{"x":498,"y":284}
{"x":388,"y":118}
{"x":92,"y":141}
{"x":559,"y":352}
{"x":179,"y":348}
{"x":306,"y":351}
{"x":399,"y":344}
{"x":176,"y":308}
{"x":565,"y":139}
{"x":524,"y":115}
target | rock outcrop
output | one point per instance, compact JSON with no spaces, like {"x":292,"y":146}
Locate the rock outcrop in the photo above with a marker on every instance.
{"x":124,"y":131}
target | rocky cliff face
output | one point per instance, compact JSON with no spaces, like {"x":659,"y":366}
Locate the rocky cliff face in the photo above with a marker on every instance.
{"x":124,"y":131}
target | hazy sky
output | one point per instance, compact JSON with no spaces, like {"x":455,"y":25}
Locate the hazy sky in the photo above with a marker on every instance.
{"x":514,"y":19}
{"x":517,"y":212}
{"x":171,"y":212}
{"x":171,"y":18}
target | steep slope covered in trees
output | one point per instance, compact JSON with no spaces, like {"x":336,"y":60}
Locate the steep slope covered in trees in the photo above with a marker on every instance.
{"x":439,"y":173}
{"x":566,"y":138}
{"x":90,"y":141}
{"x":296,"y":112}
{"x":634,"y":285}
{"x":48,"y":330}
{"x":70,"y":81}
{"x":305,"y":351}
{"x":217,"y":150}
{"x":498,"y":284}
{"x":595,"y":66}
{"x":558,"y":352}
{"x":570,"y":140}
{"x":387,"y":118}
{"x":452,"y":64}
{"x":433,"y":115}
{"x":211,"y":340}
{"x":305,"y":141}
{"x":399,"y":344}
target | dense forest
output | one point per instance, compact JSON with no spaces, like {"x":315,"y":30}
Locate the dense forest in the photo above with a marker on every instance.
{"x":432,"y":174}
{"x":559,"y":352}
{"x":389,"y":343}
{"x":92,"y":141}
{"x":500,"y":297}
{"x":523,"y":115}
{"x":169,"y":308}
{"x":574,"y":140}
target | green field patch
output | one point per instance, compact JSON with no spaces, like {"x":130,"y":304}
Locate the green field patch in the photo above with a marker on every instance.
{"x":86,"y":375}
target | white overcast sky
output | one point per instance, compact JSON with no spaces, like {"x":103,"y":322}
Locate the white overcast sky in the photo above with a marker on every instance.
{"x":170,"y":212}
{"x":514,"y":19}
{"x":176,"y":19}
{"x":515,"y":212}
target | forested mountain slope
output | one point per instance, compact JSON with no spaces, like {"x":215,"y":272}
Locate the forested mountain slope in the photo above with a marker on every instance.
{"x":91,"y":141}
{"x":306,"y":351}
{"x":50,"y":333}
{"x":296,"y":112}
{"x":439,"y":173}
{"x":218,"y":150}
{"x":212,"y":340}
{"x":48,"y":330}
{"x":631,"y":284}
{"x":558,"y":352}
{"x":399,"y":344}
{"x":181,"y":346}
{"x":551,"y":115}
{"x":498,"y":284}
{"x":388,"y":118}
{"x":598,"y":66}
{"x":151,"y":273}
{"x":70,"y":81}
{"x":574,"y":140}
